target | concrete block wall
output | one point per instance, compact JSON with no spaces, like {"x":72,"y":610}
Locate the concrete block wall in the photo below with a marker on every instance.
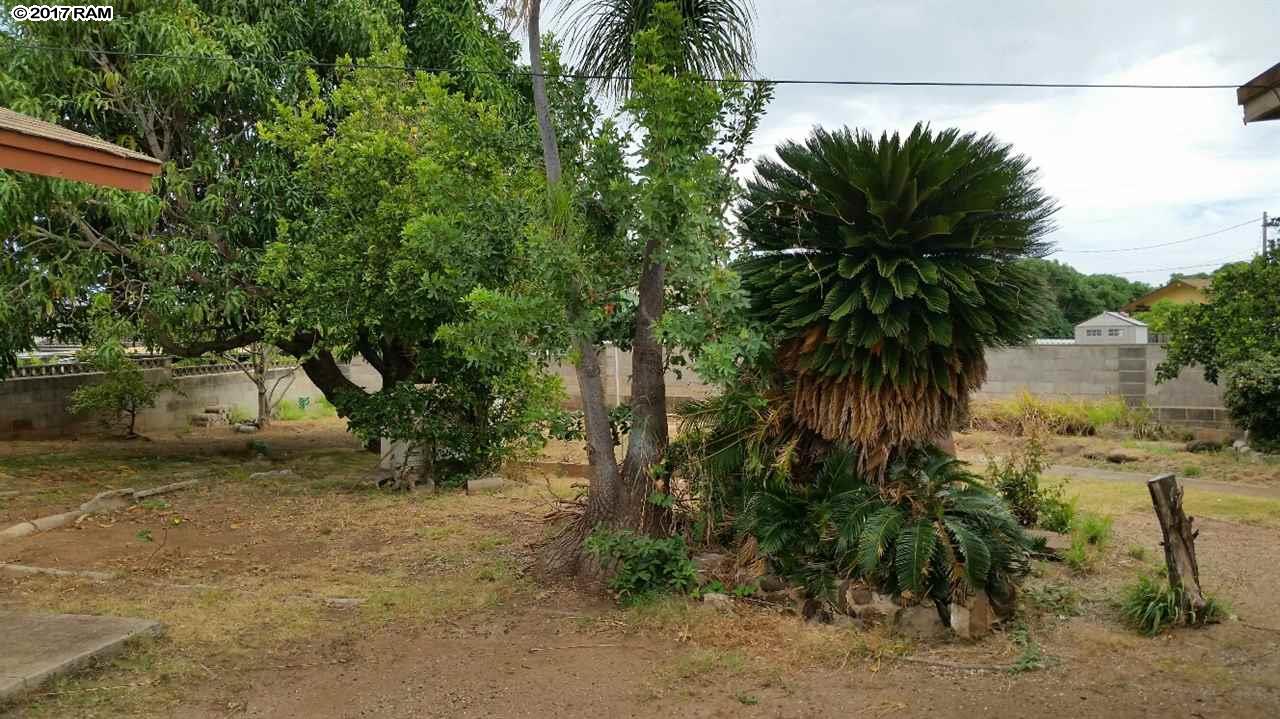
{"x":615,"y":374}
{"x":35,"y":402}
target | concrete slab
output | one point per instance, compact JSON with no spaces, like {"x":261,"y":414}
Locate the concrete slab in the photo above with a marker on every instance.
{"x":39,"y":647}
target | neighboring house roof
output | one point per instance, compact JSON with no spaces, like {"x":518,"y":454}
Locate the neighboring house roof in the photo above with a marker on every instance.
{"x":43,"y":148}
{"x":1111,"y":319}
{"x":1198,"y":286}
{"x":1260,"y":97}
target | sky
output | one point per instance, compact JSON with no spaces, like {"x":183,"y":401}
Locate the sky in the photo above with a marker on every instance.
{"x":1130,"y":168}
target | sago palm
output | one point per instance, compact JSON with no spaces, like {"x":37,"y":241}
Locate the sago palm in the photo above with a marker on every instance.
{"x":884,"y":268}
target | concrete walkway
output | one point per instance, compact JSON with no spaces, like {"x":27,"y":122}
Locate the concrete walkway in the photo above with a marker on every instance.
{"x":35,"y":648}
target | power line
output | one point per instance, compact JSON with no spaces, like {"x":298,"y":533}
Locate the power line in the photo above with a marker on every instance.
{"x":1162,"y":244}
{"x":586,"y":76}
{"x":1185,"y":267}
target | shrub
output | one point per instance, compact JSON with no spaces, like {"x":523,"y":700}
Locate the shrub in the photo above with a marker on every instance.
{"x":1252,"y":396}
{"x":643,"y":566}
{"x":1017,"y":480}
{"x":932,"y":531}
{"x":120,"y":394}
{"x":1094,"y":529}
{"x":1057,"y":513}
{"x":1150,"y":606}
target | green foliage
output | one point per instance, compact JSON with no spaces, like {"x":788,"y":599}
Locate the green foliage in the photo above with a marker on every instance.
{"x":1016,"y":478}
{"x":239,"y":415}
{"x":1093,"y":528}
{"x":1160,"y":317}
{"x":1089,"y":534}
{"x":1078,"y":297}
{"x":1235,"y":334}
{"x":933,"y":532}
{"x":305,"y":408}
{"x":1150,"y":606}
{"x":1061,"y":600}
{"x":1252,"y":396}
{"x":1032,"y":657}
{"x":643,"y":566}
{"x":1057,"y":513}
{"x":716,"y":39}
{"x":884,"y":268}
{"x":122,"y":391}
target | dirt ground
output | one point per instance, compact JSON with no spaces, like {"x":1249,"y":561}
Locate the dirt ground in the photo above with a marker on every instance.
{"x":313,"y":596}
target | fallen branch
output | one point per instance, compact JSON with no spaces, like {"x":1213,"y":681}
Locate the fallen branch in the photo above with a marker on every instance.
{"x":535,"y":650}
{"x":165,"y":489}
{"x":1003,"y":669}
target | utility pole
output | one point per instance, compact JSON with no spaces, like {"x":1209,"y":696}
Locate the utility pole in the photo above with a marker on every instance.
{"x":1270,"y":247}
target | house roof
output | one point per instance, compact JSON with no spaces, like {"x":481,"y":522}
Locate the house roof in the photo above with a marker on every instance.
{"x":43,"y":148}
{"x":1260,"y":97}
{"x":1113,"y":318}
{"x":1197,"y":283}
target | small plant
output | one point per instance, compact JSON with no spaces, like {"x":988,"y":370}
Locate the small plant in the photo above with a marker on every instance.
{"x":1057,"y":513}
{"x":1150,"y":606}
{"x":1094,"y":528}
{"x":1078,"y":556}
{"x":1137,"y":552}
{"x":1191,"y":470}
{"x":1032,"y":657}
{"x":144,"y":535}
{"x":1057,"y":599}
{"x":747,"y":699}
{"x":643,"y":566}
{"x":1017,"y":480}
{"x":238,"y":415}
{"x":153,"y":504}
{"x":303,"y":402}
{"x":120,"y":394}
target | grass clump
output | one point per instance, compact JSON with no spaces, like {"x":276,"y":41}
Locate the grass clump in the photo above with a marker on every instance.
{"x":1150,"y":606}
{"x":1024,"y":414}
{"x":1058,"y":599}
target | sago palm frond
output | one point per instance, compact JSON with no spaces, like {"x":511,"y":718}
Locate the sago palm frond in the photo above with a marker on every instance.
{"x":885,"y":267}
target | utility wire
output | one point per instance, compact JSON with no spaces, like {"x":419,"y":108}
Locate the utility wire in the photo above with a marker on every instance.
{"x":1184,"y":267}
{"x":585,"y":76}
{"x":1162,"y":244}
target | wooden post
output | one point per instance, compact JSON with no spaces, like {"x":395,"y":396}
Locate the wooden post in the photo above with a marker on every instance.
{"x":1179,"y":541}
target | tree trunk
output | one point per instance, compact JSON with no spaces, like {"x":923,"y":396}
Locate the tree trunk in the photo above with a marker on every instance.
{"x":562,"y":554}
{"x":1179,"y":542}
{"x":649,"y":436}
{"x":260,"y":367}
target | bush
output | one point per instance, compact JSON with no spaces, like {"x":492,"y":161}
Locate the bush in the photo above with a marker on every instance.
{"x":120,"y":394}
{"x":1057,"y":514}
{"x":1252,"y":396}
{"x":1017,"y":480}
{"x":933,"y":530}
{"x":643,"y":566}
{"x":1150,"y":606}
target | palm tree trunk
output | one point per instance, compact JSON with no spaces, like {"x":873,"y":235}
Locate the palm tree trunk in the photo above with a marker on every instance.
{"x":562,"y":554}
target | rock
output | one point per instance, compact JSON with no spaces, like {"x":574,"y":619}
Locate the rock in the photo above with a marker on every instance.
{"x":1055,"y":544}
{"x":221,"y":409}
{"x":1120,"y":456}
{"x":850,"y":594}
{"x":273,"y":474}
{"x":1203,"y":445}
{"x":769,"y":582}
{"x":973,"y":618}
{"x":208,"y":420}
{"x":919,"y":622}
{"x":720,"y":601}
{"x":246,"y":428}
{"x":487,"y":484}
{"x":879,"y":608}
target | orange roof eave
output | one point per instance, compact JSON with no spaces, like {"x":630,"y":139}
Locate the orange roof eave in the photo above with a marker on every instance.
{"x":37,"y":147}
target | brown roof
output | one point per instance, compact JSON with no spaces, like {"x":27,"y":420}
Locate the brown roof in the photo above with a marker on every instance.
{"x":1266,"y":82}
{"x":25,"y":125}
{"x":1200,"y":283}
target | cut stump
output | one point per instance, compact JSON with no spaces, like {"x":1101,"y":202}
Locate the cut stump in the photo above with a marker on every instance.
{"x":1179,"y":541}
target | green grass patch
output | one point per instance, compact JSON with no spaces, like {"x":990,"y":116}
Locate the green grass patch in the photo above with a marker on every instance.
{"x":1115,"y":497}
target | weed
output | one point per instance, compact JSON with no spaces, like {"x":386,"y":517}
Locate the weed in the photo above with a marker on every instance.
{"x":1137,"y":552}
{"x":1032,"y":657}
{"x":144,"y":535}
{"x":1078,"y":556}
{"x":643,"y":566}
{"x":153,"y":504}
{"x":1057,"y":599}
{"x":1150,"y":606}
{"x":1017,"y":480}
{"x":1095,"y":528}
{"x":1191,"y":470}
{"x":747,"y":699}
{"x":1057,"y":514}
{"x":239,"y":415}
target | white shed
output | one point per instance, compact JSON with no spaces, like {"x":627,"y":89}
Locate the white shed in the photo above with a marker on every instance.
{"x":1111,"y":328}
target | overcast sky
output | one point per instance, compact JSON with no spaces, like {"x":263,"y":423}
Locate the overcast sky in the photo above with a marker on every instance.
{"x":1129,"y":167}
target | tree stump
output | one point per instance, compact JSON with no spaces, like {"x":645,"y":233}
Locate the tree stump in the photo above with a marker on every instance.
{"x":1179,"y":541}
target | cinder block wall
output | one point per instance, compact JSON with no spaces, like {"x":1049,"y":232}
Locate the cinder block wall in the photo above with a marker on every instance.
{"x":35,"y":402}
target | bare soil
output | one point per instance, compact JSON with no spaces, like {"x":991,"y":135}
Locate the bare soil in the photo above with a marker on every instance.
{"x":313,"y":596}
